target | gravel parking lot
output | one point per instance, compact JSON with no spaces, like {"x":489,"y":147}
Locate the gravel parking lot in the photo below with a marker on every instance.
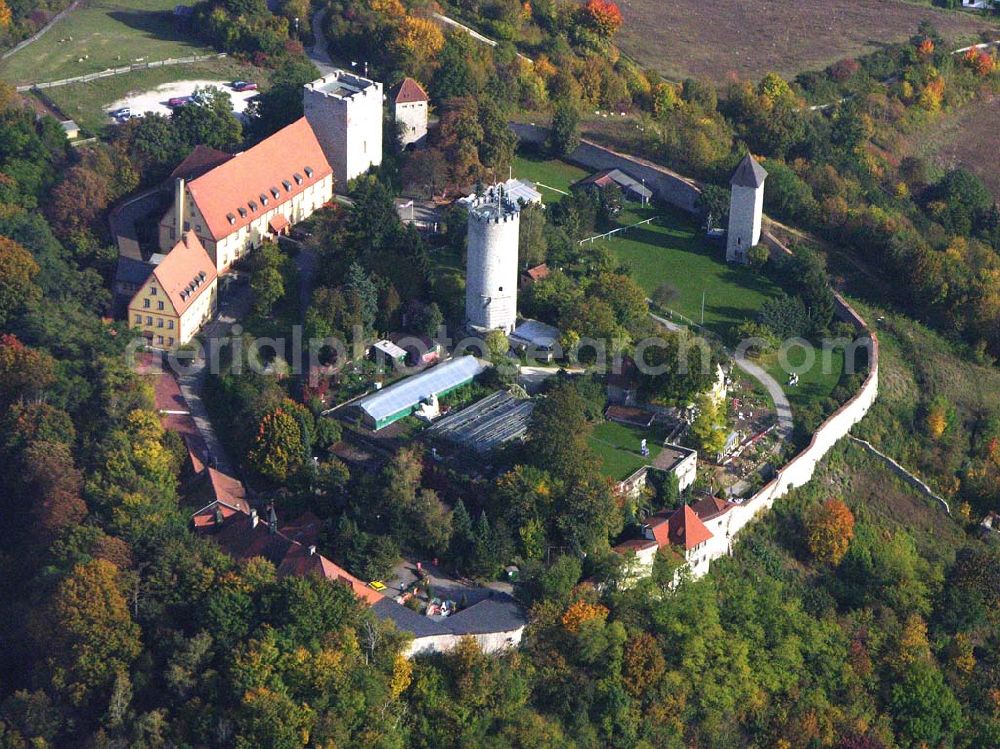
{"x":156,"y":99}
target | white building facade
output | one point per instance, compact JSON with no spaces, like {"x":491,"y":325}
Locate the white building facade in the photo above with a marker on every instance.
{"x":491,"y":270}
{"x":345,"y":111}
{"x":410,"y":108}
{"x":746,"y":209}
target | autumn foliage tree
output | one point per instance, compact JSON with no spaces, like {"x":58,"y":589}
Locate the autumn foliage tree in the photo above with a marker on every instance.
{"x":830,"y":530}
{"x":88,"y":632}
{"x":581,"y":612}
{"x":604,"y":17}
{"x":18,"y":270}
{"x":24,"y":371}
{"x":277,"y":450}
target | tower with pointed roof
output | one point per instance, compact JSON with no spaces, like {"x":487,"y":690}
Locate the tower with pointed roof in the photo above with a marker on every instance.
{"x":409,"y":101}
{"x":746,"y":208}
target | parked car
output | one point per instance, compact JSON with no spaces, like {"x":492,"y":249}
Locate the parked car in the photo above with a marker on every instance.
{"x":178,"y":101}
{"x":244,"y":86}
{"x":118,"y":114}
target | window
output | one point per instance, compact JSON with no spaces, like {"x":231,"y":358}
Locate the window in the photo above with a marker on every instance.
{"x":263,"y":199}
{"x":170,"y":324}
{"x":275,"y":193}
{"x":149,"y":320}
{"x":152,"y":291}
{"x":159,"y":305}
{"x":287,"y":185}
{"x":145,"y":303}
{"x":243,"y":212}
{"x":159,"y":339}
{"x":309,"y":171}
{"x":138,"y":319}
{"x":170,"y":341}
{"x":159,"y":322}
{"x":298,"y":178}
{"x":187,"y":226}
{"x":197,"y":227}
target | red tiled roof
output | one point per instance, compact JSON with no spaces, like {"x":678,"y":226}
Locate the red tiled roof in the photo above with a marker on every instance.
{"x":240,"y":538}
{"x":707,"y":508}
{"x":685,"y":529}
{"x":229,"y":490}
{"x":538,"y":272}
{"x":199,"y":161}
{"x":278,"y":223}
{"x":634,"y":544}
{"x":304,"y":529}
{"x":210,"y":515}
{"x":185,"y":273}
{"x":409,"y":91}
{"x":276,"y":164}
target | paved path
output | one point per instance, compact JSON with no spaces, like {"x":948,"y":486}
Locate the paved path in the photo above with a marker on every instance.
{"x":781,"y":405}
{"x":318,"y":53}
{"x":192,"y":384}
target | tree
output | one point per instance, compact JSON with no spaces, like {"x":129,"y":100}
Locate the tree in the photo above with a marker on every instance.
{"x":360,"y":284}
{"x":209,"y":120}
{"x":268,"y":286}
{"x":564,"y":134}
{"x":18,"y":270}
{"x":277,"y":449}
{"x":89,"y":634}
{"x":426,"y":169}
{"x":603,"y":17}
{"x":78,"y":200}
{"x":708,"y":429}
{"x":24,"y":372}
{"x":924,"y":708}
{"x":830,"y":530}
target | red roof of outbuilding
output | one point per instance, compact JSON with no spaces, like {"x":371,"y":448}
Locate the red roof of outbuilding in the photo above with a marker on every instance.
{"x":409,"y":91}
{"x":538,"y":272}
{"x":707,"y":508}
{"x":277,"y":163}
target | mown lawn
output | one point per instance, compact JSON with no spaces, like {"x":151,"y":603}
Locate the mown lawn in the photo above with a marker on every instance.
{"x":617,"y":446}
{"x":673,"y":249}
{"x":100,"y":35}
{"x":816,"y":383}
{"x":554,"y":175}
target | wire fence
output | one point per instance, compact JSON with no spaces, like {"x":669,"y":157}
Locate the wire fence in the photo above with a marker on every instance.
{"x":41,"y":32}
{"x":622,"y":229}
{"x":120,"y":71}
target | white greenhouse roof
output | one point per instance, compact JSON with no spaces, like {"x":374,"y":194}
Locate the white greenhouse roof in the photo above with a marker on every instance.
{"x":390,"y":349}
{"x":536,"y":333}
{"x":413,"y":390}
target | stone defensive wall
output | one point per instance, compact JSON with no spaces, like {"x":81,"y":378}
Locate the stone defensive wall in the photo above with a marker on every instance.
{"x":667,"y":185}
{"x":682,"y":192}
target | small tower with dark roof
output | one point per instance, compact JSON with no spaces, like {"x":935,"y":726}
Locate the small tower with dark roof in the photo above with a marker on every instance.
{"x":746,"y":208}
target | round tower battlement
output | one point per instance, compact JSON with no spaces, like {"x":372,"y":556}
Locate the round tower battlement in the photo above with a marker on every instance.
{"x":491,"y":270}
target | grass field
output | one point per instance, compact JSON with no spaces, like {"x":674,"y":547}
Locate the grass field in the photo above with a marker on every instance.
{"x":87,"y":102}
{"x":962,"y":138}
{"x":674,"y":250}
{"x":550,"y":172}
{"x":108,"y":33}
{"x":617,"y":445}
{"x":716,"y":38}
{"x":815,"y":384}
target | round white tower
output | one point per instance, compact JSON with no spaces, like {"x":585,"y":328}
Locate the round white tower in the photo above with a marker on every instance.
{"x":491,"y":269}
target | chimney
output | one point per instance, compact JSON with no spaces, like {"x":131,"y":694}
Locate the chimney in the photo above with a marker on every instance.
{"x":312,"y":550}
{"x":179,"y":205}
{"x":254,"y":519}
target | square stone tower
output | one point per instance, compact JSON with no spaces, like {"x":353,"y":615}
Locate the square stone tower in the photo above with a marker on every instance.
{"x":345,"y":112}
{"x":491,"y":268}
{"x":746,"y":207}
{"x":410,"y":108}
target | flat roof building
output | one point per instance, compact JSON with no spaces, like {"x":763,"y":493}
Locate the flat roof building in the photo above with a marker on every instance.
{"x":495,"y":420}
{"x":401,"y":399}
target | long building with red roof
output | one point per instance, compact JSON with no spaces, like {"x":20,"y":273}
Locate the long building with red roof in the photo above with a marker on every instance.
{"x":233,"y":204}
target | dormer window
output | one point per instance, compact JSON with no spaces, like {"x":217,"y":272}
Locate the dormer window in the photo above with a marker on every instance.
{"x":263,"y":199}
{"x":253,"y":206}
{"x":298,"y":178}
{"x":287,"y":185}
{"x":231,"y":218}
{"x":309,"y":171}
{"x":202,"y":275}
{"x":275,"y":193}
{"x":243,"y":212}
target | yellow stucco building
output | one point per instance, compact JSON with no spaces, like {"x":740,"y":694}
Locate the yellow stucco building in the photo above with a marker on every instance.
{"x":178,"y":298}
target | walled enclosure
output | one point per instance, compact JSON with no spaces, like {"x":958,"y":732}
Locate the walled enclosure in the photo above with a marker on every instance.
{"x":682,"y":192}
